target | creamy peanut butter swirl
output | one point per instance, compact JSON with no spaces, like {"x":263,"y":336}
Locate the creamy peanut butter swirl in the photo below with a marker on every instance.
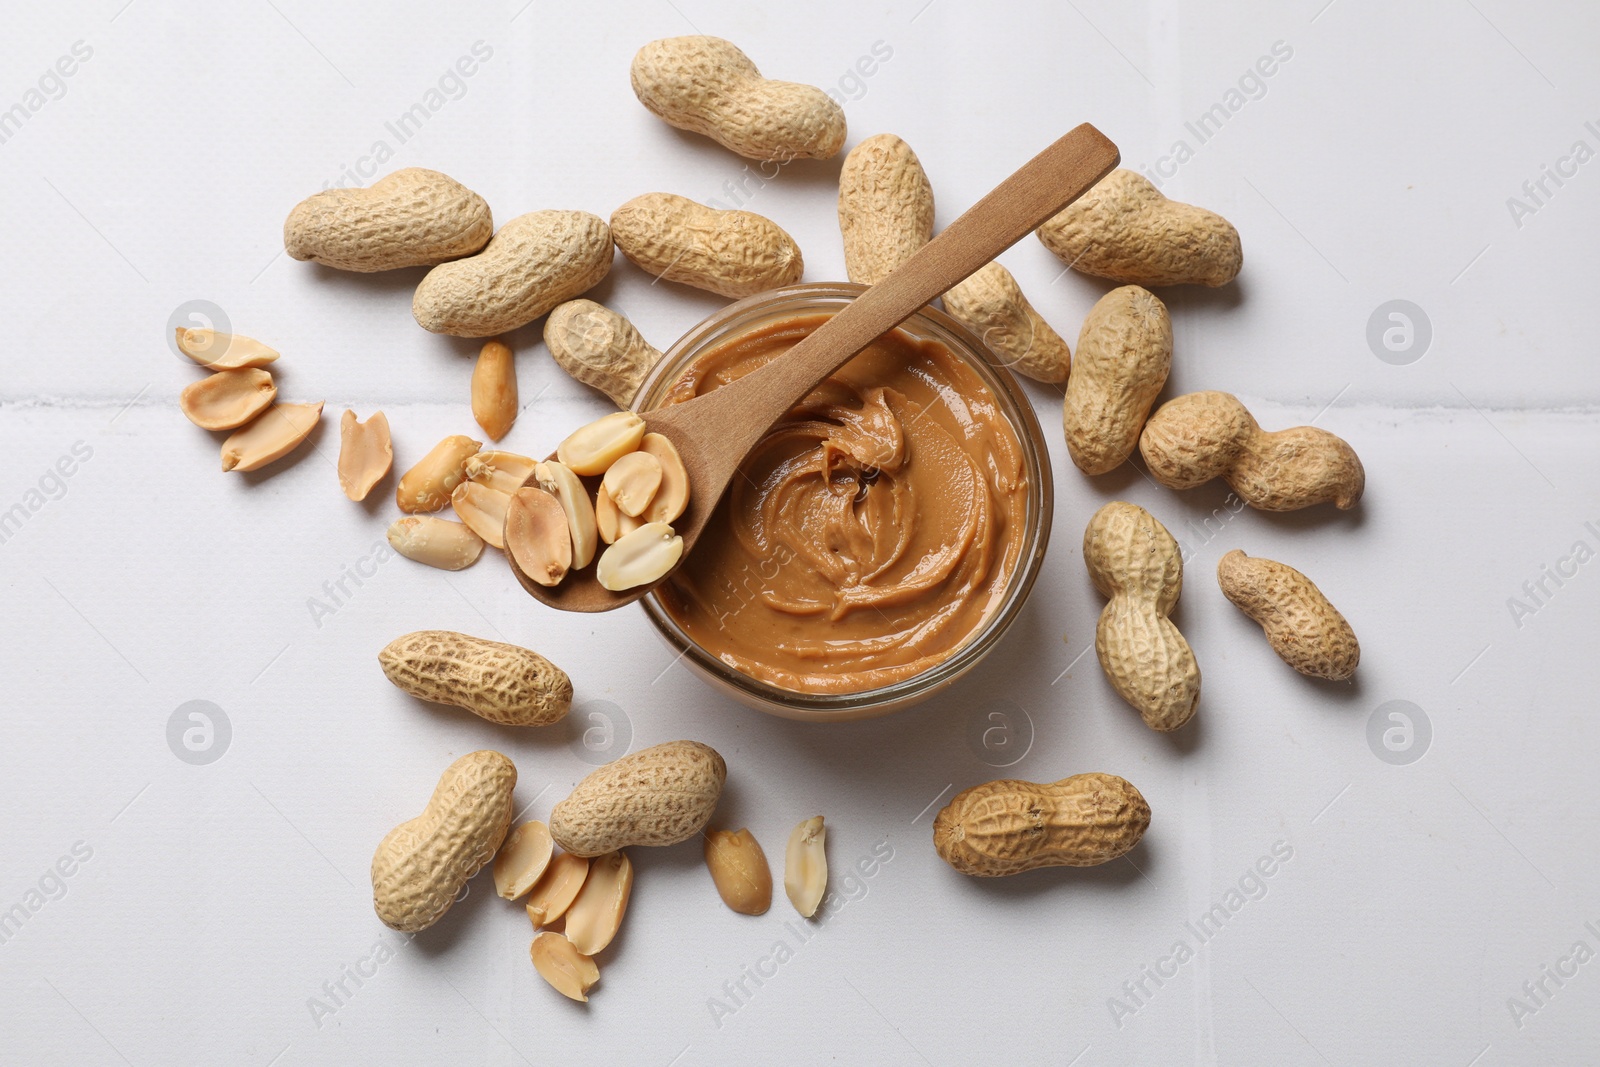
{"x":874,"y":529}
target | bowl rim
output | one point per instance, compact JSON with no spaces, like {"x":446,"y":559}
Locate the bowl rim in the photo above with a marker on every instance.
{"x":1040,"y":507}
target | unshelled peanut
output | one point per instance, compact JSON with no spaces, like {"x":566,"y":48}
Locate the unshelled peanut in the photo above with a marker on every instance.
{"x":885,"y":207}
{"x":707,"y":85}
{"x":533,"y":263}
{"x":1009,"y":826}
{"x":656,"y":796}
{"x":421,"y":865}
{"x":1137,"y":565}
{"x":1125,"y":230}
{"x":1303,"y":628}
{"x":990,"y":304}
{"x":411,"y":218}
{"x":1200,"y":436}
{"x":503,"y":683}
{"x":1124,"y":356}
{"x":600,"y":348}
{"x":731,"y":253}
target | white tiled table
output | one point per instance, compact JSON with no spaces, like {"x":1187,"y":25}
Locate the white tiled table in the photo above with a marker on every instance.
{"x":220,"y":912}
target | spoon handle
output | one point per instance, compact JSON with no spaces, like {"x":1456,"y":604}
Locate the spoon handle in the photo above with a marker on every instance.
{"x":1043,"y":186}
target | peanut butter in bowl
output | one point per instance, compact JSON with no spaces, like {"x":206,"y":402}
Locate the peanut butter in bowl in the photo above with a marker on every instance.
{"x":875,"y":531}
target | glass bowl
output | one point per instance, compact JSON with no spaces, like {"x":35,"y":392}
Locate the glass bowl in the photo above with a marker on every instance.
{"x":931,"y":324}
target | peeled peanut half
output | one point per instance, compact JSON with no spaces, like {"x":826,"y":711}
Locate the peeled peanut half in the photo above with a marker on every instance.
{"x":557,"y":888}
{"x":639,"y":558}
{"x":632,"y":481}
{"x":365,"y":453}
{"x":805,"y":866}
{"x":494,"y":390}
{"x":437,"y":542}
{"x":596,"y":914}
{"x":227,"y":399}
{"x":223,"y":351}
{"x":610,"y":522}
{"x":537,"y":537}
{"x":274,"y":434}
{"x":505,"y":471}
{"x":672,"y":496}
{"x":428,"y":484}
{"x":522,"y":859}
{"x":739,"y":870}
{"x":483,"y":510}
{"x":559,"y":480}
{"x":569,"y":972}
{"x":591,"y":449}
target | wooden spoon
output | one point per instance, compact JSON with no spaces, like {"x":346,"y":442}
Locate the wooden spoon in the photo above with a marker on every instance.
{"x":715,"y":432}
